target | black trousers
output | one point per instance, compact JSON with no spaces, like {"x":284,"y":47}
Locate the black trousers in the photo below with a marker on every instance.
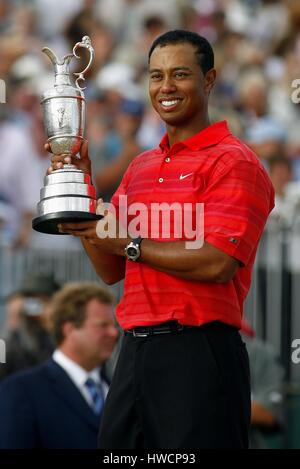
{"x":184,"y":390}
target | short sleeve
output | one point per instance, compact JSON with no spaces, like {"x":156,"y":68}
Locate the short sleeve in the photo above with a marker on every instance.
{"x":237,"y":203}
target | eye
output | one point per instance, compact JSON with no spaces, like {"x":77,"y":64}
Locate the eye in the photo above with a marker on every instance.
{"x":155,"y":76}
{"x":180,"y":74}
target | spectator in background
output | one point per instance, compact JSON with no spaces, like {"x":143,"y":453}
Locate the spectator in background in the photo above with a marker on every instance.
{"x":29,"y":342}
{"x":52,"y":15}
{"x":280,"y":169}
{"x":13,"y":312}
{"x":262,"y":132}
{"x":59,"y":404}
{"x":113,"y":155}
{"x":267,"y":377}
{"x":5,"y":216}
{"x":85,"y":23}
{"x":21,"y":196}
{"x":135,"y":50}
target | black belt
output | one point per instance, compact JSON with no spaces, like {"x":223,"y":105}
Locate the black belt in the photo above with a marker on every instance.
{"x":164,"y":328}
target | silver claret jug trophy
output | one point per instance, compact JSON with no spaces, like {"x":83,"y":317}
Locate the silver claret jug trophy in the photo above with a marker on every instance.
{"x":68,"y":194}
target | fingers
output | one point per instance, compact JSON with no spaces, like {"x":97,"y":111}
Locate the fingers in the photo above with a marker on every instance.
{"x":47,"y":147}
{"x":64,"y":157}
{"x":74,"y":232}
{"x":58,"y":161}
{"x":85,"y":228}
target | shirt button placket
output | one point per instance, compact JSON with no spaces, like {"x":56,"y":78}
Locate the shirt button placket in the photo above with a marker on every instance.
{"x":167,"y":159}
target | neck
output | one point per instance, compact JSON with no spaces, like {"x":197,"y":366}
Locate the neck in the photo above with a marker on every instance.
{"x":180,"y":133}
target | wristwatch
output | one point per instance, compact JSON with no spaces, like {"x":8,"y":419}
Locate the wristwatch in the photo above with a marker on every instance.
{"x":132,"y":250}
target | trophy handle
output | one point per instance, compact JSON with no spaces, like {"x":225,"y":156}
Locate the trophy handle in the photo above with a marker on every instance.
{"x":86,"y":42}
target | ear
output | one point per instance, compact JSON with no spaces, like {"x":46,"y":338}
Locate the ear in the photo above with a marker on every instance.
{"x":210,"y":78}
{"x":67,"y":328}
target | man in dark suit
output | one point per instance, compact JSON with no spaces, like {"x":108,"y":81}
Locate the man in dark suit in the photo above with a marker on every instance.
{"x":59,"y":404}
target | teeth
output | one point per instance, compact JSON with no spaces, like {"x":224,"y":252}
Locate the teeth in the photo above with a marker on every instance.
{"x":170,"y":103}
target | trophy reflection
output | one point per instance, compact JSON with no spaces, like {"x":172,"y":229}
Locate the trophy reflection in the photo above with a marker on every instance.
{"x":68,"y":194}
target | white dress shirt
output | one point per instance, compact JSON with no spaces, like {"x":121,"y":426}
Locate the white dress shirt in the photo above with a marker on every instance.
{"x":79,"y":375}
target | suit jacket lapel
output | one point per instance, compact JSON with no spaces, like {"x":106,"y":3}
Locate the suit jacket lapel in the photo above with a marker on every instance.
{"x":103,"y":375}
{"x":64,"y":387}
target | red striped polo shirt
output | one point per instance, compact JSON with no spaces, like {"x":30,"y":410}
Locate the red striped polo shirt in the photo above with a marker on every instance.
{"x":216,"y":169}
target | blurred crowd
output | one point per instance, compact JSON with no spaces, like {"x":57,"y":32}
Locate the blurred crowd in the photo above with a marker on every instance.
{"x":257,"y":52}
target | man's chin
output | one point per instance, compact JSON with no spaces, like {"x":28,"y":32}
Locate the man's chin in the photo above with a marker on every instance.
{"x":173,"y":119}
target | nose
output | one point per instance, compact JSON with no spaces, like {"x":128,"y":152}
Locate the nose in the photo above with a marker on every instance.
{"x":168,"y":85}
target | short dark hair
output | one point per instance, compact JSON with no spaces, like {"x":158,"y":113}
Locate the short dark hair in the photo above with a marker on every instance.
{"x":204,"y":51}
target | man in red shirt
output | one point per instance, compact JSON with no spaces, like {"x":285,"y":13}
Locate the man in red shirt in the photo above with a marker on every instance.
{"x":182,"y":380}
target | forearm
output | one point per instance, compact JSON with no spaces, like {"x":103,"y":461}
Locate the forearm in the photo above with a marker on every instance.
{"x":167,"y":257}
{"x":109,"y":267}
{"x":206,"y":264}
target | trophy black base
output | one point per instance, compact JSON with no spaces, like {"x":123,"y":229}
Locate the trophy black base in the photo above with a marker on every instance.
{"x":48,"y":223}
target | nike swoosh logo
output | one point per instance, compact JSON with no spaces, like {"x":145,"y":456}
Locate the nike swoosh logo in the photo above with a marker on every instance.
{"x":184,"y":176}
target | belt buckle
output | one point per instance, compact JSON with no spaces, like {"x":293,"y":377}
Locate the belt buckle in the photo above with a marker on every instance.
{"x":139,"y":334}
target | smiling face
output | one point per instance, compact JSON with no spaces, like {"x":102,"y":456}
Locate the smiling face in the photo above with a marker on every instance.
{"x":178,"y":88}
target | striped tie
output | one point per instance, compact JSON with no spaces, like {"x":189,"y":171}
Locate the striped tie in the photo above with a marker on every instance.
{"x":96,"y":394}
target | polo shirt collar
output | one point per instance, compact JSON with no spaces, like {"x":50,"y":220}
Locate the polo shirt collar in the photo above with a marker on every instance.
{"x":211,"y":135}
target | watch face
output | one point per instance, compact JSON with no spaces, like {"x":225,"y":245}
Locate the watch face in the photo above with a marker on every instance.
{"x":131,"y":251}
